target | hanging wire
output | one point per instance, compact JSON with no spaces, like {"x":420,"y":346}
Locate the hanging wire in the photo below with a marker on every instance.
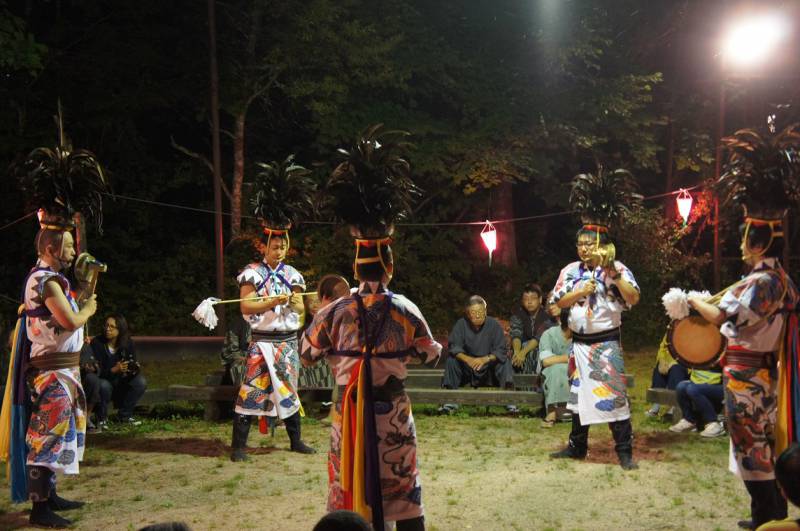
{"x":314,"y":222}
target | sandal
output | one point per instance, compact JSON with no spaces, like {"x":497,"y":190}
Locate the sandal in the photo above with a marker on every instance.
{"x":548,"y":423}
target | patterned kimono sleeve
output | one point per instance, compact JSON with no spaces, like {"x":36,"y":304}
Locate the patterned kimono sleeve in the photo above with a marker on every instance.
{"x":316,"y":341}
{"x":427,"y":347}
{"x":565,"y":282}
{"x":250,"y":275}
{"x":295,"y":278}
{"x":627,"y":275}
{"x":515,"y":327}
{"x":750,"y":302}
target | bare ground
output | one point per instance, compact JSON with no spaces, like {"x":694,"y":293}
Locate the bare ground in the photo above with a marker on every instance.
{"x":479,"y":471}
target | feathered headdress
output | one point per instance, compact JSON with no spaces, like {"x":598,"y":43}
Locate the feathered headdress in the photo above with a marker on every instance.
{"x":372,"y":187}
{"x":604,"y":198}
{"x":762,"y":173}
{"x":282,"y":194}
{"x":63,"y":182}
{"x":372,"y":190}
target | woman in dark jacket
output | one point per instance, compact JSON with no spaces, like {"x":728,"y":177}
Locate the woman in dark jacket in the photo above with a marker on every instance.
{"x":117,"y":376}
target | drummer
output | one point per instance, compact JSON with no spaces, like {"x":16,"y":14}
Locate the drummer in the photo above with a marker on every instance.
{"x":751,"y":315}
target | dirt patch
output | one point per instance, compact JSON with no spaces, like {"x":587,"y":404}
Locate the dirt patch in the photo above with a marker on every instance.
{"x":14,"y":520}
{"x":646,"y":447}
{"x":172,"y":445}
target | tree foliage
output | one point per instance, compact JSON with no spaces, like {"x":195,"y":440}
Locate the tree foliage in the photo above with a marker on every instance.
{"x":527,"y":93}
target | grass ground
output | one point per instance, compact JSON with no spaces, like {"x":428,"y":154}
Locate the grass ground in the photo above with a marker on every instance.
{"x":480,"y":470}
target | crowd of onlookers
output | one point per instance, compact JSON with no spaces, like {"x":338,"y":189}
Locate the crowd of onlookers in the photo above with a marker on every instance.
{"x":483,"y":354}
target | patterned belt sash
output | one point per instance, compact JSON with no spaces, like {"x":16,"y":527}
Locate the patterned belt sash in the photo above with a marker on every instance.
{"x":274,"y":337}
{"x":749,"y":358}
{"x":599,"y":337}
{"x":56,"y":360}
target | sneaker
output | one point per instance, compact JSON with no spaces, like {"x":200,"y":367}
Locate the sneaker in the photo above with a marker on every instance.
{"x":512,"y":408}
{"x":102,"y":425}
{"x":682,"y":426}
{"x":653,"y":411}
{"x":130,"y":421}
{"x":712,"y":429}
{"x":448,"y":408}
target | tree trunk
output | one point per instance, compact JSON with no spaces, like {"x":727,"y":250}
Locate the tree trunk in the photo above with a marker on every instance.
{"x":506,"y":253}
{"x":238,"y":175}
{"x":669,"y":204}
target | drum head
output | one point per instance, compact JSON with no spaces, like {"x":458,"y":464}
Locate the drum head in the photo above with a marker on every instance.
{"x":694,"y":342}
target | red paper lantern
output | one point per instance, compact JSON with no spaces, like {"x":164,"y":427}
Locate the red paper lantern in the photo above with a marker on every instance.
{"x":489,"y":237}
{"x":684,"y":201}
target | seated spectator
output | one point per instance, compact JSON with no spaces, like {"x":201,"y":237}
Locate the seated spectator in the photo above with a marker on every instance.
{"x":118,"y":377}
{"x":554,"y":349}
{"x":477,"y":347}
{"x":330,"y":288}
{"x":234,"y":349}
{"x":667,"y":373}
{"x":700,"y":398}
{"x":528,"y":323}
{"x":787,"y":475}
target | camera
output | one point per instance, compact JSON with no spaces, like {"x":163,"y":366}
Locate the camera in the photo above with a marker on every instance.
{"x":132,"y":367}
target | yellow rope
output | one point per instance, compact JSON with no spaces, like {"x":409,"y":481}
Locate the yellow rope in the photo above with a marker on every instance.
{"x":262,"y":299}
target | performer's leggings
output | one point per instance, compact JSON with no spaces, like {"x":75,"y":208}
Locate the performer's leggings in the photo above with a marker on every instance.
{"x":621,"y":430}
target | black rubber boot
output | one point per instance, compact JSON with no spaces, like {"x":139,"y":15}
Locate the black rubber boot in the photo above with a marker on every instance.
{"x":57,"y":503}
{"x":43,"y":516}
{"x":578,"y":441}
{"x":766,"y":502}
{"x":241,"y":428}
{"x":622,"y":431}
{"x":293,"y":430}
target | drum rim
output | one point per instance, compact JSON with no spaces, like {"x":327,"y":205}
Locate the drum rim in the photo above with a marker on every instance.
{"x":714,"y":360}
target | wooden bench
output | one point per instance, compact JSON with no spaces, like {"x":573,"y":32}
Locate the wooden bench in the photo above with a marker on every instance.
{"x":665,"y":397}
{"x":423,"y":386}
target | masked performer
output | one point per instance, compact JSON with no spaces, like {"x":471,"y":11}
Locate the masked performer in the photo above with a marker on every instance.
{"x":758,"y":316}
{"x":274,"y":311}
{"x":368,"y":338}
{"x":44,"y":399}
{"x":597,"y":289}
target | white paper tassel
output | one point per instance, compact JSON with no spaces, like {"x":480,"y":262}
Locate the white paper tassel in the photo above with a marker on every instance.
{"x":205,"y":314}
{"x":705,"y":294}
{"x":676,"y":303}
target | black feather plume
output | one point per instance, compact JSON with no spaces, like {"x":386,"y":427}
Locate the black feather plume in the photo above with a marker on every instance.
{"x":372,"y":187}
{"x":605,"y":198}
{"x":282,"y":193}
{"x":63,"y":181}
{"x":762,"y":172}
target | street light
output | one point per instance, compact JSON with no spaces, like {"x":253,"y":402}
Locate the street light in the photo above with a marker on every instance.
{"x":750,"y":41}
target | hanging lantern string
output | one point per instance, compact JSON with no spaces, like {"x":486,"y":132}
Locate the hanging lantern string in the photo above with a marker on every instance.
{"x":315,"y":222}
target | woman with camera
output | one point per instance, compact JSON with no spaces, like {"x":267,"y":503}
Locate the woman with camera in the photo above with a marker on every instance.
{"x":112,"y":372}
